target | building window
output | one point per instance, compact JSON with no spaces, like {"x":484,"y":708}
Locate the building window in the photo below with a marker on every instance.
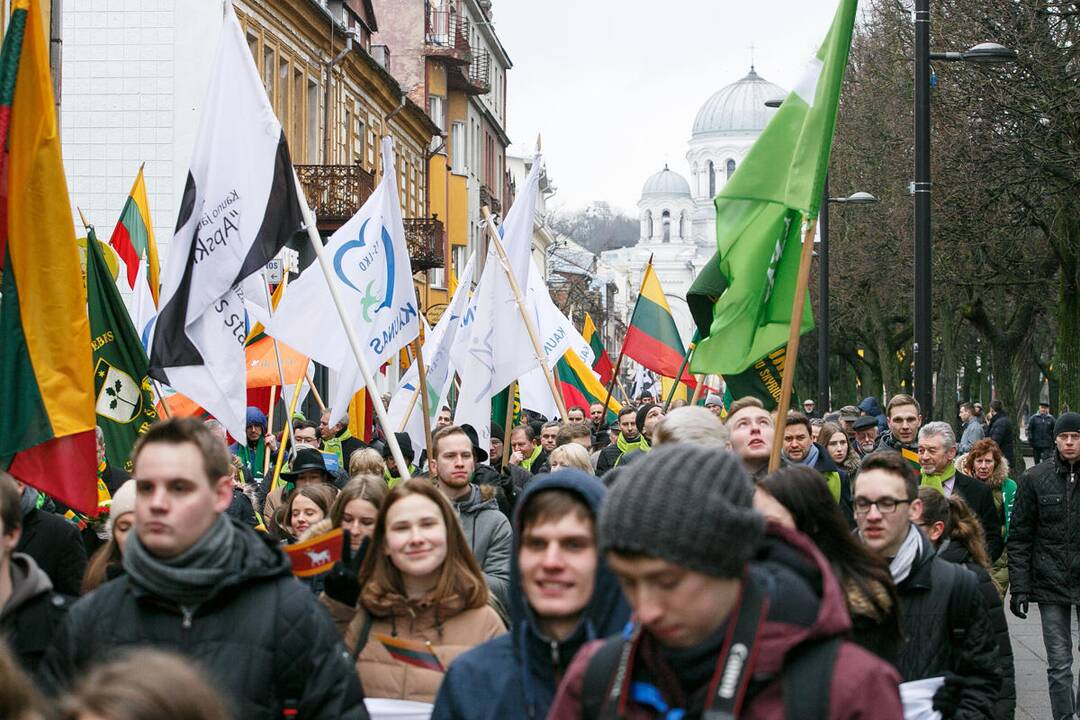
{"x":712,"y":179}
{"x":437,"y":110}
{"x":730,"y":168}
{"x":666,"y":220}
{"x":312,"y":121}
{"x":457,"y":148}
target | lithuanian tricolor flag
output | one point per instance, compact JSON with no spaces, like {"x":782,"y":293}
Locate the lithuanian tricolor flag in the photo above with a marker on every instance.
{"x":133,"y":236}
{"x":653,"y":338}
{"x":46,"y":377}
{"x":580,"y":386}
{"x":411,"y":652}
{"x":601,"y":361}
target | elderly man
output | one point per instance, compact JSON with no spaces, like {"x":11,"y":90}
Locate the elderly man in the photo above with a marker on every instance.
{"x":937,"y":450}
{"x":866,"y":434}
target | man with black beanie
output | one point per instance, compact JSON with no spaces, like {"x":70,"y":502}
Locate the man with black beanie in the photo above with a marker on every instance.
{"x":1042,"y":546}
{"x":732,"y":617}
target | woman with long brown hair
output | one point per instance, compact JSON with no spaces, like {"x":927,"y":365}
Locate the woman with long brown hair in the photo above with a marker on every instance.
{"x":106,"y":562}
{"x":834,"y":441}
{"x":424,"y":600}
{"x":985,"y":463}
{"x":958,"y":536}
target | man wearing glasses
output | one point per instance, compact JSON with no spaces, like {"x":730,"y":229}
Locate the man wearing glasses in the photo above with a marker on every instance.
{"x":945,"y":620}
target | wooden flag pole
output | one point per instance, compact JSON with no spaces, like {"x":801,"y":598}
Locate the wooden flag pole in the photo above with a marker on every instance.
{"x":281,"y":448}
{"x":519,"y":297}
{"x":350,"y":331}
{"x":622,"y":350}
{"x":277,"y":354}
{"x":678,"y":380}
{"x":425,"y":402}
{"x":269,"y":428}
{"x":508,"y":428}
{"x":793,"y":344}
{"x":315,"y":391}
{"x":409,"y":409}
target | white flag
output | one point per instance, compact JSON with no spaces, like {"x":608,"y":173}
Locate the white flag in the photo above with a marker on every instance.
{"x":370,"y":259}
{"x":141,"y":306}
{"x":238,"y":209}
{"x":440,"y":371}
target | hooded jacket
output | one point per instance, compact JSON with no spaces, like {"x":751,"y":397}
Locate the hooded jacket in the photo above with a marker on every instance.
{"x":54,"y":543}
{"x":32,"y":613}
{"x":1044,"y":533}
{"x":872,"y":407}
{"x":489,"y":535}
{"x":260,"y":638}
{"x":806,"y":605}
{"x":515,"y":675}
{"x":1001,"y":431}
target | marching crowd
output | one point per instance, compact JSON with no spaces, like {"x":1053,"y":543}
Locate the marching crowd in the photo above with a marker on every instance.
{"x":650,"y":567}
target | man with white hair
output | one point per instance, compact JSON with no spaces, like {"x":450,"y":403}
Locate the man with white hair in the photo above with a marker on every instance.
{"x":937,"y":450}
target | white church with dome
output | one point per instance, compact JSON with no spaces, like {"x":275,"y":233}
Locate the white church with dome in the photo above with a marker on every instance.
{"x":677,"y":218}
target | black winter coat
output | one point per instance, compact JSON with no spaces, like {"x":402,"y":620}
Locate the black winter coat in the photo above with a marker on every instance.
{"x":262,"y":639}
{"x":1044,"y":534}
{"x":981,"y":499}
{"x":1040,"y":430}
{"x":57,"y":548}
{"x":1002,"y":431}
{"x":32,"y":613}
{"x":940,"y":641}
{"x":1005,"y":706}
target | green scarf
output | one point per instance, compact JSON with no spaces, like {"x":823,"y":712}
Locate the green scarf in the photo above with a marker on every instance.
{"x":832,"y":479}
{"x":626,"y":446}
{"x":527,"y":463}
{"x":253,"y":459}
{"x":392,"y":480}
{"x":938,"y":481}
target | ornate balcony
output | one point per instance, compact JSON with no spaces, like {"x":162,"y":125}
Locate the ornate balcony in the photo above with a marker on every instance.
{"x":474,"y":78}
{"x":426,"y":239}
{"x":335,"y":192}
{"x":446,"y":35}
{"x":487,"y":197}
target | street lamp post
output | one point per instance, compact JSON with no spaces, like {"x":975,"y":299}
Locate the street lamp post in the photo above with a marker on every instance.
{"x":985,"y":53}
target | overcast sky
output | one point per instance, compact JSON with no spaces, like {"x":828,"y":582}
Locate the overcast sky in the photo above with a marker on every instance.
{"x":613,"y":88}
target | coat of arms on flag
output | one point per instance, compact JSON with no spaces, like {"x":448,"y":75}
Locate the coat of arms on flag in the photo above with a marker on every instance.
{"x":118,"y":396}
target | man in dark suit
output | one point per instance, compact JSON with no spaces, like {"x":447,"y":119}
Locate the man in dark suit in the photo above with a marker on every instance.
{"x":53,"y":542}
{"x":937,"y":450}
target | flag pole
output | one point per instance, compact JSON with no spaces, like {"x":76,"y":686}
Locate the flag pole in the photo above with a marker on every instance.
{"x":350,"y":331}
{"x":277,"y":355}
{"x":409,"y":409}
{"x":269,"y":428}
{"x":699,"y":390}
{"x":793,"y":344}
{"x":508,"y":426}
{"x":315,"y":391}
{"x":622,"y":349}
{"x":422,"y":389}
{"x":281,"y":446}
{"x":678,"y":379}
{"x":541,"y":358}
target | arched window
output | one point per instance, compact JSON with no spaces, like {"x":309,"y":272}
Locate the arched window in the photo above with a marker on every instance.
{"x":666,"y":219}
{"x":712,"y":179}
{"x":730,"y":168}
{"x":647,"y":224}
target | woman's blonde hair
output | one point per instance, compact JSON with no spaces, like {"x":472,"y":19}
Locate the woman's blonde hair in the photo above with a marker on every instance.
{"x":571,"y":455}
{"x":366,"y":461}
{"x":460,"y":575}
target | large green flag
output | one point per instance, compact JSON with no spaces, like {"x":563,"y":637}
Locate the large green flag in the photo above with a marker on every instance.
{"x":124,"y":400}
{"x":741,"y":301}
{"x":761,"y":380}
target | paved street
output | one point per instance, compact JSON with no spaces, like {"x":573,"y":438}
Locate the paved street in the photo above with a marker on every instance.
{"x":1032,"y":700}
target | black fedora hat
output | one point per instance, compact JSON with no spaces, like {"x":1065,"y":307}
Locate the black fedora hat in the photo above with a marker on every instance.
{"x":479,"y":454}
{"x":306,"y":459}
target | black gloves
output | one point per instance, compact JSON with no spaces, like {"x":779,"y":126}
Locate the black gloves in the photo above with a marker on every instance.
{"x":1018,"y":605}
{"x":947,"y":698}
{"x":342,"y":582}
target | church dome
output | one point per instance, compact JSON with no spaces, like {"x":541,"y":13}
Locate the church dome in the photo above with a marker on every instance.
{"x":738,"y":107}
{"x":666,"y":182}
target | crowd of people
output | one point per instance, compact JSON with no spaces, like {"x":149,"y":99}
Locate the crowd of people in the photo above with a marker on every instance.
{"x":648,"y":565}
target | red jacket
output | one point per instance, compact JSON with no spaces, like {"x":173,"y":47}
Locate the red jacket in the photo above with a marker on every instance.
{"x":789,"y":567}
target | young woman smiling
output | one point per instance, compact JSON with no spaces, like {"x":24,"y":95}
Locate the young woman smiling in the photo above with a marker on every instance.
{"x":421,"y":585}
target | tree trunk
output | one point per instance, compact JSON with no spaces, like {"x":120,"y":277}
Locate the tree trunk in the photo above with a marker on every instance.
{"x":1067,"y":367}
{"x":945,"y":403}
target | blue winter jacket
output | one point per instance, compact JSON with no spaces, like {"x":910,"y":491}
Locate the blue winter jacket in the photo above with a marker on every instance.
{"x":516,"y":675}
{"x":872,"y":407}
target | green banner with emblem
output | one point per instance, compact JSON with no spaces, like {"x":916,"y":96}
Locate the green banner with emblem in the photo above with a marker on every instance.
{"x":124,"y":398}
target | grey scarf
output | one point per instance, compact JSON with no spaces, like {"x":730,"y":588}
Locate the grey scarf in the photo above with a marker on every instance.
{"x":192,"y":577}
{"x":900,"y":566}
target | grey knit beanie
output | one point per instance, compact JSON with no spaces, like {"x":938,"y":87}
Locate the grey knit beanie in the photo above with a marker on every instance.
{"x":687,"y":504}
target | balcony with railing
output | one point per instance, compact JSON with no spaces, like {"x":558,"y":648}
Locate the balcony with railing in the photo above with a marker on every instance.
{"x":426,"y":238}
{"x":487,"y":197}
{"x":335,"y":192}
{"x":446,"y":35}
{"x":474,"y":78}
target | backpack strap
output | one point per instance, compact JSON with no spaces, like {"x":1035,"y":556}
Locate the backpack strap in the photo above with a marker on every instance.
{"x":599,"y":678}
{"x":806,"y":679}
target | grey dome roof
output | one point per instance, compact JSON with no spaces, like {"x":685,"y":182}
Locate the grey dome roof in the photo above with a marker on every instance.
{"x":738,"y":107}
{"x":666,"y":182}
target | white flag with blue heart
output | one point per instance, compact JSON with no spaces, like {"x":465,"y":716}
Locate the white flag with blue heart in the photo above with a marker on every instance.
{"x":370,"y":261}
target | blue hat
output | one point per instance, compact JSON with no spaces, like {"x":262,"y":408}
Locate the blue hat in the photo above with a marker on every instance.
{"x":255,"y":416}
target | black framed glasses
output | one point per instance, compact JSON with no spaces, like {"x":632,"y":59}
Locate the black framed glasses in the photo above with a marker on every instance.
{"x":885,"y":505}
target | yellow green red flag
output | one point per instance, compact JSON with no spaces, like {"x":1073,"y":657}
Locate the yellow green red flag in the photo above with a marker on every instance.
{"x":133,"y":236}
{"x":46,"y":376}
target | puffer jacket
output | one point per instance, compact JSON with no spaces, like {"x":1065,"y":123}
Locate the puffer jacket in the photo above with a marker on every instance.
{"x":261,"y":639}
{"x":490,"y":538}
{"x":1001,"y":431}
{"x":1044,"y":534}
{"x":447,"y":626}
{"x":32,"y":612}
{"x":1040,"y":430}
{"x":938,"y":641}
{"x":515,"y":675}
{"x":1005,"y":705}
{"x":806,"y":605}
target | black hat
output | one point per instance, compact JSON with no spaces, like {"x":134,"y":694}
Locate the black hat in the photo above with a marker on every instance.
{"x":405,"y":443}
{"x":865,"y":422}
{"x":642,"y":413}
{"x":497,"y":431}
{"x":306,"y":459}
{"x":479,"y":454}
{"x":1068,"y":422}
{"x":1044,"y":404}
